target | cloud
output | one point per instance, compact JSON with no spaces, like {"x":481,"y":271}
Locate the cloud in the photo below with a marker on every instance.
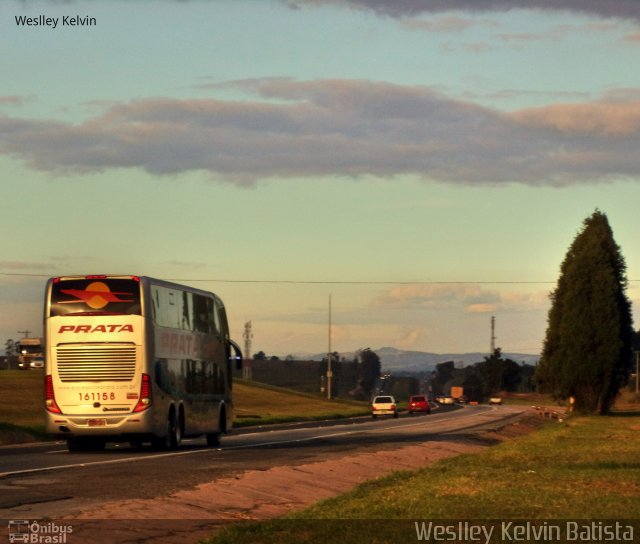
{"x":411,"y":337}
{"x":340,"y":333}
{"x":303,"y":129}
{"x":13,"y":100}
{"x":431,"y":295}
{"x":614,"y":119}
{"x":618,"y":9}
{"x":24,"y":265}
{"x":445,"y":24}
{"x":554,"y":34}
{"x":481,"y":308}
{"x":468,"y":298}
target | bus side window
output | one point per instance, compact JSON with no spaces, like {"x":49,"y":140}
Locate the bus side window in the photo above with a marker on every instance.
{"x":155,"y":300}
{"x":212,"y":312}
{"x":187,"y":311}
{"x":221,"y":318}
{"x":202,"y":321}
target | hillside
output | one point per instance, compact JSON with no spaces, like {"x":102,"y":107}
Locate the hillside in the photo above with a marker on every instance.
{"x":419,"y":361}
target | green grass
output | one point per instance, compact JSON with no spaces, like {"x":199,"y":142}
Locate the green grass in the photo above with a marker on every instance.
{"x":531,"y":399}
{"x":587,"y":467}
{"x":21,"y":412}
{"x":22,"y":419}
{"x":257,"y":404}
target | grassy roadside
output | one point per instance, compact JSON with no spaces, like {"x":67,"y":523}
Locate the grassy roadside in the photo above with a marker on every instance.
{"x":257,"y":404}
{"x":21,"y":395}
{"x":586,"y":467}
{"x":21,"y":418}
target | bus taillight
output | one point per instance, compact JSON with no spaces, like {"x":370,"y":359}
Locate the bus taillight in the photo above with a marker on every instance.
{"x":145,"y":394}
{"x":49,"y":396}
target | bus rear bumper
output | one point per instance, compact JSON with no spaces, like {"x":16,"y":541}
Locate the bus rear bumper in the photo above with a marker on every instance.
{"x":108,"y":426}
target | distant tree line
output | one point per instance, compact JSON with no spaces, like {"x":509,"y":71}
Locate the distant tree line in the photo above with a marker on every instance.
{"x":484,"y":379}
{"x":365,"y":365}
{"x":363,"y":370}
{"x":262,"y":356}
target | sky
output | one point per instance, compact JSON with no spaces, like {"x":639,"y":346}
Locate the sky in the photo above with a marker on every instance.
{"x":423,"y":165}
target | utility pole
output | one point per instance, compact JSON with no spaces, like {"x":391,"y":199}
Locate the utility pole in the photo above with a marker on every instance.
{"x":637,"y":373}
{"x":26,"y":333}
{"x":329,"y":372}
{"x":493,"y":335}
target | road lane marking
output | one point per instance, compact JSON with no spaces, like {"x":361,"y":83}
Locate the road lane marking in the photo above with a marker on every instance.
{"x":360,"y":430}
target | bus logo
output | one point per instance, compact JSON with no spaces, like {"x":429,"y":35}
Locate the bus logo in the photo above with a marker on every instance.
{"x":96,"y":295}
{"x":19,"y":531}
{"x":39,"y":532}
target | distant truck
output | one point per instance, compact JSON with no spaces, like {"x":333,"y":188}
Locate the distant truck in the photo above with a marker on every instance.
{"x":30,"y":353}
{"x":457,"y":394}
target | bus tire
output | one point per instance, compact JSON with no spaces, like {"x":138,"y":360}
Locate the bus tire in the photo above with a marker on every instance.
{"x":173,"y":436}
{"x":213,"y":440}
{"x":174,"y":432}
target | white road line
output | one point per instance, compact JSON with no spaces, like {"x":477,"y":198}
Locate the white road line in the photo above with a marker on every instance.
{"x":96,"y":463}
{"x":423,"y":421}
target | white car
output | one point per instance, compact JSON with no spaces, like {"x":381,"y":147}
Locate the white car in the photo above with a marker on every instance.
{"x":384,"y":405}
{"x":495,"y":400}
{"x":37,"y":363}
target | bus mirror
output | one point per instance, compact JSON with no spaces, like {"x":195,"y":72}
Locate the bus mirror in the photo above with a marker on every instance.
{"x":236,"y":354}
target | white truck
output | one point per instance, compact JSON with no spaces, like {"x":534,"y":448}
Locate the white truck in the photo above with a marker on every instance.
{"x":30,"y":353}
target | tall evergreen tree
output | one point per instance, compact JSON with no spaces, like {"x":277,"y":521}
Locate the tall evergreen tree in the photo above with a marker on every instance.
{"x":587,"y":351}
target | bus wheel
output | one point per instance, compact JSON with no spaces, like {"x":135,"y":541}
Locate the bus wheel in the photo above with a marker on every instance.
{"x":174,"y":432}
{"x":213,"y":440}
{"x":173,"y":438}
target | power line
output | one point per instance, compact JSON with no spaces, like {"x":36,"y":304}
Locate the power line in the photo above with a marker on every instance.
{"x":334,"y":282}
{"x":317,"y":282}
{"x":359,"y":282}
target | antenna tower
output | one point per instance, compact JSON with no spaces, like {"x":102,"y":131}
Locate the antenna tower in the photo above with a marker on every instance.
{"x":248,"y":335}
{"x":246,"y":367}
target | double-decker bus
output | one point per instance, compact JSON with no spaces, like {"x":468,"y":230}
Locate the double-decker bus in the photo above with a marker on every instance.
{"x":132,"y":358}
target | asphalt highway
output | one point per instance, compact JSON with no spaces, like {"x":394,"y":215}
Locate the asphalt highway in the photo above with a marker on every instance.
{"x":45,"y":480}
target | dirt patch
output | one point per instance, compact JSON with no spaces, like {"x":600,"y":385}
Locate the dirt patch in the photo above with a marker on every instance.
{"x":513,"y":430}
{"x":189,"y":515}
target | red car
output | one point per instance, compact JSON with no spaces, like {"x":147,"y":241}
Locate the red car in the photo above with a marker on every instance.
{"x":419,"y":403}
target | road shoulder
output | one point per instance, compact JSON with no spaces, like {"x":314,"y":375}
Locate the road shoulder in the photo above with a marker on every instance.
{"x":189,"y":515}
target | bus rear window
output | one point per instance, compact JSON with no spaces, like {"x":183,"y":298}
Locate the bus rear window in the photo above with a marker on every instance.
{"x":105,"y":296}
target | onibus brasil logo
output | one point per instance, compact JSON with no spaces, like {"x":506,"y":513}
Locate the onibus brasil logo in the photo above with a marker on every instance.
{"x":39,"y":532}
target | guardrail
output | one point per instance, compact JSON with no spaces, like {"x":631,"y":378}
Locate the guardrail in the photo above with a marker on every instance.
{"x":545,"y":412}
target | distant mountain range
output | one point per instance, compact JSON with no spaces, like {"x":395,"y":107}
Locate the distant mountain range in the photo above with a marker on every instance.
{"x":419,"y":361}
